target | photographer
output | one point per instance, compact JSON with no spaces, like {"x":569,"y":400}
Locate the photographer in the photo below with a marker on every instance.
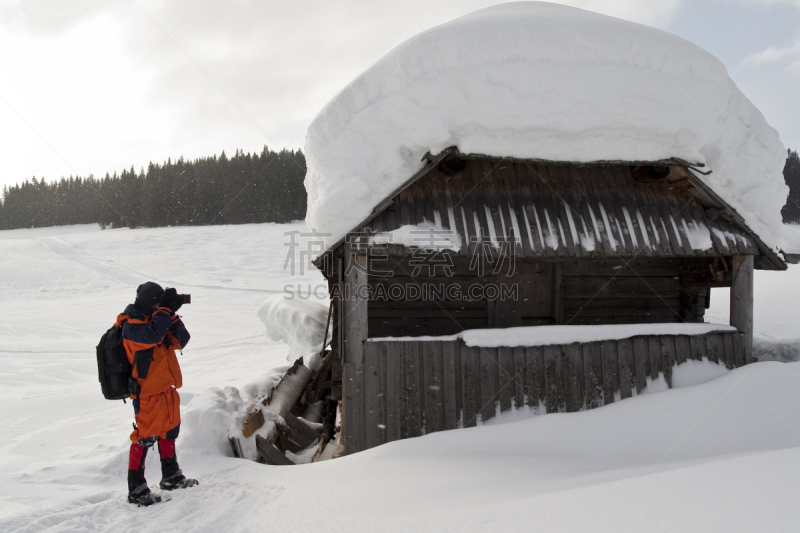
{"x":151,"y":333}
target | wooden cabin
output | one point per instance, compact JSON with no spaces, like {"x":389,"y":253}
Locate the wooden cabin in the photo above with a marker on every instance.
{"x":529,"y":243}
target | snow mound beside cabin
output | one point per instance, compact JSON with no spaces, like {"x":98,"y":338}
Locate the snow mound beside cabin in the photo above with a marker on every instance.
{"x":298,"y":323}
{"x":544,"y":81}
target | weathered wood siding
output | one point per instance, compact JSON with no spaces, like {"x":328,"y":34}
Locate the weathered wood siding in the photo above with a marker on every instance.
{"x":408,"y":300}
{"x":644,"y":290}
{"x":418,"y":387}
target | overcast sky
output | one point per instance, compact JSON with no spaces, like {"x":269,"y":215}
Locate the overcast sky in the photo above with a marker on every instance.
{"x":90,"y":86}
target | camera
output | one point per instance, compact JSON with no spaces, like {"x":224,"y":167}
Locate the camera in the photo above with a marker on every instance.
{"x":173,"y":300}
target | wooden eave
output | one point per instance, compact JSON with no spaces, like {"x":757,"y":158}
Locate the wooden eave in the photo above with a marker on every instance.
{"x":433,"y":162}
{"x":685,"y":178}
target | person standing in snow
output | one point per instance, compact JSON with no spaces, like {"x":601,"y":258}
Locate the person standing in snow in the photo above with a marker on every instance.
{"x":151,"y":332}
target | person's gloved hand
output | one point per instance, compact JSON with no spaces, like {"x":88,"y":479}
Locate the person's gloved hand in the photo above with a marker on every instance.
{"x":171,"y":300}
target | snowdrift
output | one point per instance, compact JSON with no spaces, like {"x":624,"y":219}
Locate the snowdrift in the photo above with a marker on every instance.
{"x":541,"y":81}
{"x":549,"y":335}
{"x":298,"y":323}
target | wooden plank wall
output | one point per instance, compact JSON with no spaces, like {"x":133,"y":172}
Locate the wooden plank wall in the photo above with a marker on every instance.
{"x":634,"y":291}
{"x":592,"y":291}
{"x":418,"y":387}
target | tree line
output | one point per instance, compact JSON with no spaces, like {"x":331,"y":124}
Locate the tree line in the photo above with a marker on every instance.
{"x":245,"y":188}
{"x":791,"y":173}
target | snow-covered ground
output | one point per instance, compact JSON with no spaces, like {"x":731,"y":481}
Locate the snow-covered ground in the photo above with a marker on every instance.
{"x":720,"y":456}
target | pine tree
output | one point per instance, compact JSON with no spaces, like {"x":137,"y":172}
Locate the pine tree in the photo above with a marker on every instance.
{"x":246,"y":188}
{"x":791,"y":174}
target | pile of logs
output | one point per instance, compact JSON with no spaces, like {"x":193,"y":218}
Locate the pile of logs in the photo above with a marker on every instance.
{"x":307,"y":404}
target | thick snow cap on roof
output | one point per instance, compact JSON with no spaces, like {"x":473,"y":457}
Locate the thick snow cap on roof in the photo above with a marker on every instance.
{"x":541,"y":81}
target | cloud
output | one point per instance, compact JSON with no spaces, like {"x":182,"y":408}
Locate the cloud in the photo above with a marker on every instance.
{"x":768,"y":3}
{"x":787,"y":56}
{"x":121,"y":82}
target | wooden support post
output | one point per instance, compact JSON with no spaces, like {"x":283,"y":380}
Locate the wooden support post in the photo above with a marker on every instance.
{"x":742,"y":302}
{"x":354,"y":321}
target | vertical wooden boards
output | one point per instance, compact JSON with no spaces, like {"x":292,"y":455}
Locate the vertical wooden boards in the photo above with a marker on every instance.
{"x":683,"y":349}
{"x":505,"y":360}
{"x":593,"y":374}
{"x":626,"y":374}
{"x":504,"y":312}
{"x":553,"y":377}
{"x":654,"y":347}
{"x":608,"y":354}
{"x":375,"y":394}
{"x":490,"y":382}
{"x":742,"y":301}
{"x":738,"y":349}
{"x":667,"y":357}
{"x":470,"y":383}
{"x":559,"y":312}
{"x":573,"y":377}
{"x":413,"y":387}
{"x":450,"y":368}
{"x":730,"y":356}
{"x":413,"y":379}
{"x":715,"y":348}
{"x":419,"y":387}
{"x":641,"y":362}
{"x":432,"y":392}
{"x":395,"y":392}
{"x":697,"y":344}
{"x":533,"y":377}
{"x":520,"y":385}
{"x":355,"y":335}
{"x":536,"y":295}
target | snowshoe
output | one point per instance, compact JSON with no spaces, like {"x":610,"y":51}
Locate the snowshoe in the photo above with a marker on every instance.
{"x":177,"y":481}
{"x":142,"y":497}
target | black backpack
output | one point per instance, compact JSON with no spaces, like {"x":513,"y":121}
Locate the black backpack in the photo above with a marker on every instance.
{"x":113,"y":367}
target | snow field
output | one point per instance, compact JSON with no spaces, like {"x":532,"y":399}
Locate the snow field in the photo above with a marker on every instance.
{"x":718,"y":454}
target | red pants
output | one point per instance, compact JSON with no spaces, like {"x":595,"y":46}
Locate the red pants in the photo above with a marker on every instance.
{"x":156,"y":414}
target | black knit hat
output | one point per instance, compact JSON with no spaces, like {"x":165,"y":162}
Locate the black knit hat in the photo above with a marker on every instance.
{"x":149,"y":293}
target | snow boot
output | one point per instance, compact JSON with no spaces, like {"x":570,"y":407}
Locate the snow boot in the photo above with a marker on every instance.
{"x":141,"y":496}
{"x":171,"y":476}
{"x":138,"y":493}
{"x":177,"y":481}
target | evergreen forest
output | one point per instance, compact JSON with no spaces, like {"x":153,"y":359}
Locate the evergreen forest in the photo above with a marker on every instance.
{"x":245,"y":188}
{"x":791,"y":173}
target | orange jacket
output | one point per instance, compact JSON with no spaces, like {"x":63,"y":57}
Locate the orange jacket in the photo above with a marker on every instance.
{"x":150,"y":339}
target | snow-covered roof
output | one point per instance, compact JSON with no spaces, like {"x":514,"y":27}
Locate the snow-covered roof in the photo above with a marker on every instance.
{"x":540,"y":81}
